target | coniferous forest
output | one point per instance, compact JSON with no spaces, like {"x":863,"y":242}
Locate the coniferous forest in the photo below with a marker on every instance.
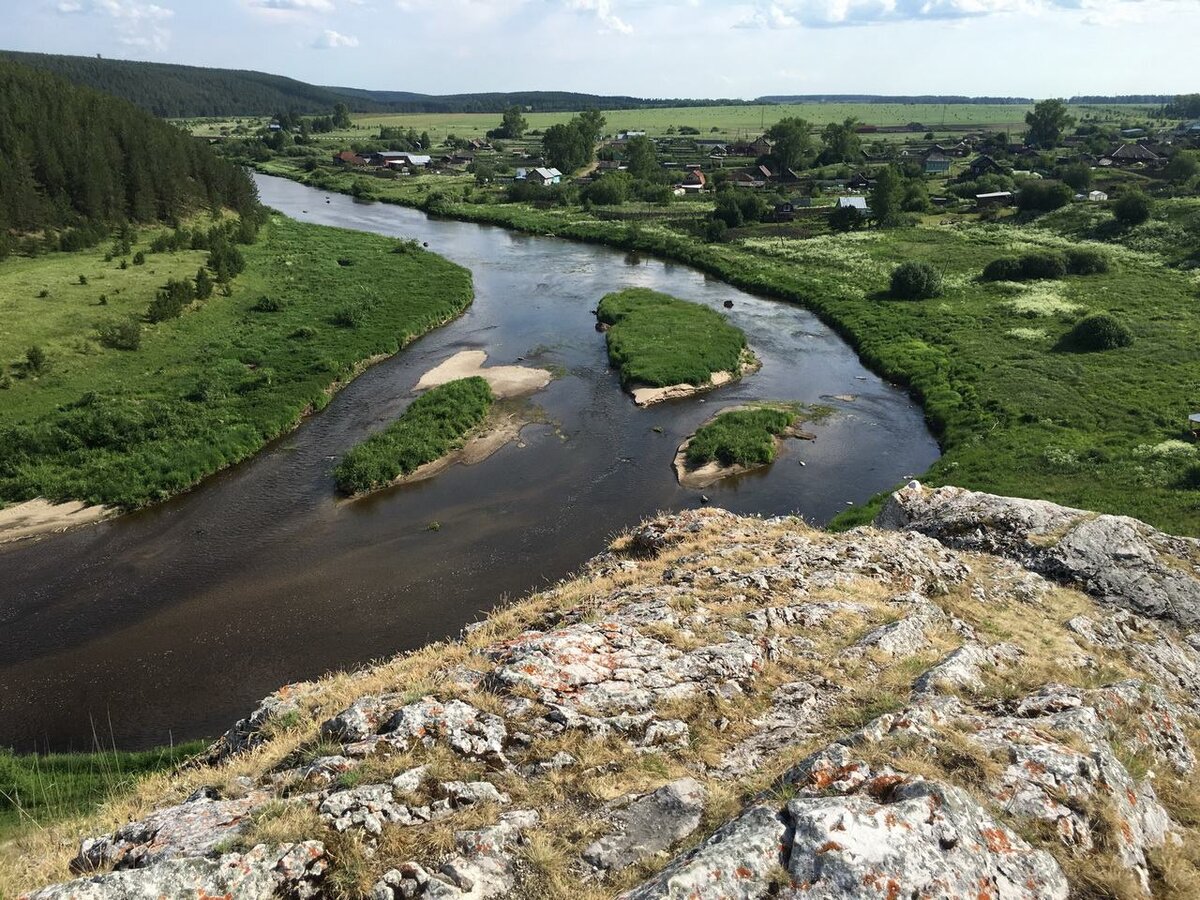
{"x":75,"y":160}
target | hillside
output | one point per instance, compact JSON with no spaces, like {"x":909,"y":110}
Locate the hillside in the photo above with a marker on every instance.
{"x":71,"y":156}
{"x":174,"y":91}
{"x":979,"y":696}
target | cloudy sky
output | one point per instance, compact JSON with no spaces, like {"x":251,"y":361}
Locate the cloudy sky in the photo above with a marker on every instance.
{"x":655,"y":48}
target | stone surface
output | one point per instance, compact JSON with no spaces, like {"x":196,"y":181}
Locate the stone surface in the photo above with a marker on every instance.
{"x":649,"y":825}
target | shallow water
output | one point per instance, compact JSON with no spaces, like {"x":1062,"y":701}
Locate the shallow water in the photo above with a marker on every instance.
{"x":170,"y":623}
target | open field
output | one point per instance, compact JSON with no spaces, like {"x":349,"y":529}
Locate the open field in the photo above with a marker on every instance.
{"x":36,"y":791}
{"x":128,"y":426}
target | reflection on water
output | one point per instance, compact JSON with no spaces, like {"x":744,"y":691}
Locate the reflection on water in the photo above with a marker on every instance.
{"x":170,"y":623}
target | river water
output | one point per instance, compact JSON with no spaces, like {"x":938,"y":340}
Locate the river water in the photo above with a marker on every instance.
{"x":170,"y":623}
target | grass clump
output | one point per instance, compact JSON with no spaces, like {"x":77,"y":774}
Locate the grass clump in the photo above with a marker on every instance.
{"x":36,"y":790}
{"x":916,"y":280}
{"x":658,"y":340}
{"x":433,"y":425}
{"x":741,"y":438}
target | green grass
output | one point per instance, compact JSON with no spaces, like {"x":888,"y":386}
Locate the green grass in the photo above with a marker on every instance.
{"x":37,"y":790}
{"x":434,"y":424}
{"x":211,"y":387}
{"x":658,"y":340}
{"x":740,"y":438}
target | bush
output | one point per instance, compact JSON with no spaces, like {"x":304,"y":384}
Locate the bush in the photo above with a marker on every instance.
{"x":126,"y":335}
{"x":1084,"y":261}
{"x":1043,"y":265}
{"x":846,"y":218}
{"x":35,"y":359}
{"x":1097,"y":332}
{"x":915,"y":280}
{"x":170,"y":301}
{"x":1190,"y":479}
{"x":1043,"y":196}
{"x":303,"y":333}
{"x":1132,"y":209}
{"x":139,"y":258}
{"x":349,"y":315}
{"x":268,"y":304}
{"x":1003,"y":270}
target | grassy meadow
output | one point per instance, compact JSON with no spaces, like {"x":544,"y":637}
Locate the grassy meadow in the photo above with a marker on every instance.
{"x":37,"y":790}
{"x":435,"y":423}
{"x":129,"y":426}
{"x":657,"y":340}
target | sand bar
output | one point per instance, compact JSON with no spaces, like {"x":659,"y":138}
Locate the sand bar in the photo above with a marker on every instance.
{"x":505,"y":381}
{"x":35,"y":517}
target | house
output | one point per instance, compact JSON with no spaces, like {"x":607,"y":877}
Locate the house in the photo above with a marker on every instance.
{"x":694,"y":181}
{"x":611,"y":165}
{"x":784,"y":211}
{"x":350,"y":158}
{"x":860,"y":181}
{"x":764,"y":173}
{"x":936,"y":163}
{"x":856,"y":203}
{"x":479,"y":144}
{"x":544,"y":176}
{"x":760,"y":146}
{"x":626,"y":135}
{"x":984,"y":165}
{"x":1097,"y":196}
{"x":747,"y":178}
{"x":1133,"y":132}
{"x":994,"y":198}
{"x":1134,"y":154}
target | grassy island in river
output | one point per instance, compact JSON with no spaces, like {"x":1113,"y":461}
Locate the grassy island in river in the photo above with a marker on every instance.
{"x":657,"y":340}
{"x":434,"y":424}
{"x":741,"y":437}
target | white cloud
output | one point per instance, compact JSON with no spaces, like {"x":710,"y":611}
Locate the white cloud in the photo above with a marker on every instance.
{"x":843,"y":13}
{"x":604,"y":12}
{"x":137,"y":23}
{"x":331,"y":40}
{"x":294,"y":5}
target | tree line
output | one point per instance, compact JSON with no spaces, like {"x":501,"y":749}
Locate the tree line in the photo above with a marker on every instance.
{"x":76,"y":159}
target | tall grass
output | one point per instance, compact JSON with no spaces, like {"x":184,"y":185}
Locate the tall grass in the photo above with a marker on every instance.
{"x":36,"y":790}
{"x":433,"y":425}
{"x":658,"y":340}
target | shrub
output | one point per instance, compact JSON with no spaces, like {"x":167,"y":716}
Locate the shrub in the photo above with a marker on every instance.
{"x":349,"y":315}
{"x":43,"y":294}
{"x":35,"y":359}
{"x":1043,"y":196}
{"x":1132,"y":209}
{"x":914,"y":280}
{"x":139,"y":258}
{"x":126,"y":335}
{"x":1097,"y":332}
{"x":1190,"y":479}
{"x":1085,"y":261}
{"x":846,"y":218}
{"x":268,"y":304}
{"x":1043,"y":265}
{"x":303,"y":333}
{"x":83,"y":279}
{"x":1002,"y":270}
{"x":170,"y":300}
{"x":204,"y":284}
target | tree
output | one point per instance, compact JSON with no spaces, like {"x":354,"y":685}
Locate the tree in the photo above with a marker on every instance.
{"x":841,"y":142}
{"x":792,"y":142}
{"x":571,"y":146}
{"x":1132,"y":209}
{"x":846,"y":218}
{"x":512,"y":125}
{"x":916,"y":280}
{"x":1182,"y":167}
{"x":35,"y":359}
{"x":1047,"y":121}
{"x":1077,"y":175}
{"x":887,"y":196}
{"x":341,"y":116}
{"x":641,"y":157}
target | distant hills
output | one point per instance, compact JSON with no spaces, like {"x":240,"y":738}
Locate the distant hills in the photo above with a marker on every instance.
{"x":175,"y":91}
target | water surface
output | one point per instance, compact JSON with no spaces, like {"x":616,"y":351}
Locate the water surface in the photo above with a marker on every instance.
{"x":170,"y":623}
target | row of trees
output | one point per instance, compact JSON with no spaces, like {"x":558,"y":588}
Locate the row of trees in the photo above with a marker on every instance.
{"x":71,"y":156}
{"x":794,"y":147}
{"x":572,"y":146}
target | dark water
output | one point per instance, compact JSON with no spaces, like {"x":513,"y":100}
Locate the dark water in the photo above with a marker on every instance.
{"x":171,"y":623}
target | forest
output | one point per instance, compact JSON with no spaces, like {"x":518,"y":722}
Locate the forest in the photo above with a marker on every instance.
{"x":74,"y":162}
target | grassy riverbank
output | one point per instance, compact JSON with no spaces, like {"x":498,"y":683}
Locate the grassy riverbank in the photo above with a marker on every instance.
{"x":36,"y":791}
{"x":434,"y":424}
{"x":744,"y":437}
{"x":129,"y":426}
{"x":657,"y":340}
{"x":1014,"y":413}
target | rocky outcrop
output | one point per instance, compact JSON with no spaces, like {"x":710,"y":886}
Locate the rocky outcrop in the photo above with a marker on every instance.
{"x":1116,"y":559}
{"x":648,"y":730}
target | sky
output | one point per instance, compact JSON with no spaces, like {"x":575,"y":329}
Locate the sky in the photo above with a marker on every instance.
{"x":648,"y":48}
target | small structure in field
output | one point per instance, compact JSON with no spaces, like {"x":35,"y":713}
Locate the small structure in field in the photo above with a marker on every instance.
{"x":1194,"y":426}
{"x":984,"y":165}
{"x":936,"y":163}
{"x":544,"y":176}
{"x":994,"y":198}
{"x":1097,"y":196}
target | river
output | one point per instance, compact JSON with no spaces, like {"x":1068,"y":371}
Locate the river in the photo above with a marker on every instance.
{"x":169,"y":623}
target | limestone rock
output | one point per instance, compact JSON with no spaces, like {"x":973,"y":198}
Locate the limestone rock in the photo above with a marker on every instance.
{"x":649,"y":825}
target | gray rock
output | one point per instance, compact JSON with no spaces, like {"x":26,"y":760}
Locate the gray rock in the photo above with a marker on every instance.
{"x":649,"y":825}
{"x":1116,"y":559}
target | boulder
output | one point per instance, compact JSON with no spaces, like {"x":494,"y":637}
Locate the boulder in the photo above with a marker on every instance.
{"x":649,"y":825}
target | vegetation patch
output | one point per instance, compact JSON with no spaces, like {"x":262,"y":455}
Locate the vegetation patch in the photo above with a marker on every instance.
{"x":107,"y":407}
{"x":916,"y":280}
{"x":740,"y":438}
{"x":658,"y":340}
{"x":36,"y":790}
{"x":1098,"y":332}
{"x":434,"y":424}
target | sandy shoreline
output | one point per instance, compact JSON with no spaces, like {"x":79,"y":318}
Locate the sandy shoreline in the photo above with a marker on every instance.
{"x":34,"y":517}
{"x":712,"y":472}
{"x":647,"y":396}
{"x":505,"y":381}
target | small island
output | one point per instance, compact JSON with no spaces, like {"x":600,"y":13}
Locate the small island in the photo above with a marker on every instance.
{"x":666,"y":348}
{"x":737,"y":440}
{"x":435,"y":424}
